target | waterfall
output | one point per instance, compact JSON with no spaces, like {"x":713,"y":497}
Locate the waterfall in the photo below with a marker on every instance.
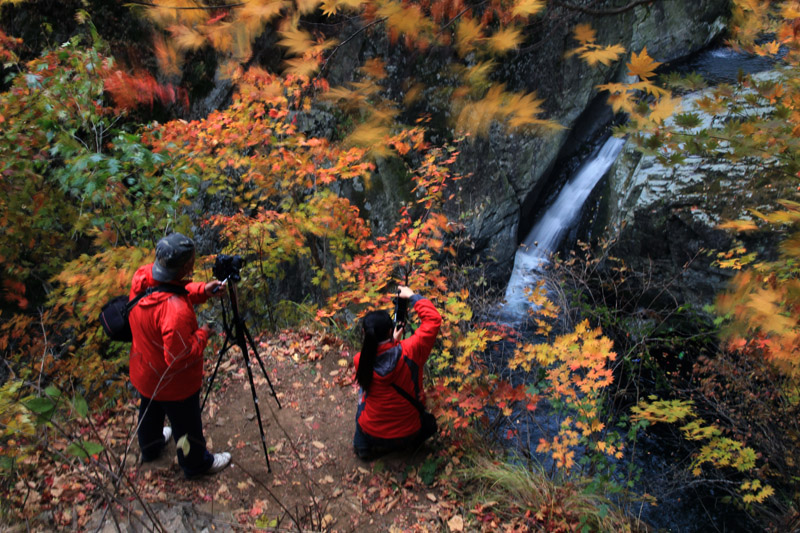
{"x":546,"y":235}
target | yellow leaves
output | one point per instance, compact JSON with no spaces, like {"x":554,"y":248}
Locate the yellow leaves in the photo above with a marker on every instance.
{"x":604,"y":55}
{"x":697,"y":430}
{"x":298,"y":66}
{"x":526,"y":8}
{"x":405,"y":20}
{"x":374,"y":68}
{"x":584,"y":34}
{"x":522,"y":110}
{"x":456,"y":309}
{"x":186,"y":39}
{"x":518,"y":111}
{"x":790,"y":11}
{"x":739,"y":225}
{"x":477,"y":75}
{"x":297,"y":41}
{"x":590,"y":51}
{"x":735,"y":258}
{"x":255,"y":13}
{"x":370,"y":135}
{"x":642,"y":65}
{"x":354,"y":98}
{"x":668,"y":411}
{"x":723,"y":452}
{"x":300,"y":43}
{"x":755,"y":492}
{"x":664,"y":108}
{"x":627,"y":97}
{"x":331,"y":7}
{"x":620,"y":97}
{"x":169,"y":61}
{"x":768,"y":49}
{"x":220,"y":36}
{"x":527,"y":354}
{"x":505,"y":40}
{"x":306,"y":7}
{"x":718,"y":451}
{"x":468,"y":33}
{"x":413,"y":94}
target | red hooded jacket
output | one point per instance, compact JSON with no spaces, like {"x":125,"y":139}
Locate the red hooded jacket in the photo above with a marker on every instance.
{"x":382,"y":412}
{"x":166,"y":361}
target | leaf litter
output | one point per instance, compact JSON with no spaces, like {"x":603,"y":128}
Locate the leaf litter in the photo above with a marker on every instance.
{"x":316,"y":481}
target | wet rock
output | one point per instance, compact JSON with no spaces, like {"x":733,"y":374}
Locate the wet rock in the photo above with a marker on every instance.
{"x":665,"y":218}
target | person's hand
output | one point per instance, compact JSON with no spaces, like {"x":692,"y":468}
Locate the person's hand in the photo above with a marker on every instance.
{"x":404,"y":292}
{"x":208,"y":330}
{"x":214,"y":288}
{"x":398,"y":333}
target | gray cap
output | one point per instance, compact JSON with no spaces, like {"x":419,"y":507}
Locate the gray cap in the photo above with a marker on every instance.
{"x":172,"y":254}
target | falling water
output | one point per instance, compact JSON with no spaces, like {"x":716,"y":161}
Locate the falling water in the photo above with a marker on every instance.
{"x":546,"y":235}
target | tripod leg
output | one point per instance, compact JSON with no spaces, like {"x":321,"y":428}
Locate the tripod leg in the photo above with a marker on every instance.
{"x":261,"y":364}
{"x":222,"y":351}
{"x":249,"y":365}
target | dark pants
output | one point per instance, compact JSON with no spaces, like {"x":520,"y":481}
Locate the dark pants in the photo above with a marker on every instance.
{"x":184,"y":415}
{"x":368,"y":447}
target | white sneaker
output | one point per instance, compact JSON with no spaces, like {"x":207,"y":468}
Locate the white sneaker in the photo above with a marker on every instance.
{"x":221,"y":462}
{"x":167,"y":432}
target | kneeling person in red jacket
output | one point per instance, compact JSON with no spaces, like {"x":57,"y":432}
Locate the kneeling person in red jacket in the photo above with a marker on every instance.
{"x":166,"y":360}
{"x":391,"y":414}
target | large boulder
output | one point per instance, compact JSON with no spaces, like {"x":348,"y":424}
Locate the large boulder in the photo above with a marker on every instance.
{"x":665,"y":219}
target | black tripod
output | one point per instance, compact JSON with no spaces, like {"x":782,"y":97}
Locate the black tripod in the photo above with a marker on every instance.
{"x":238,"y":331}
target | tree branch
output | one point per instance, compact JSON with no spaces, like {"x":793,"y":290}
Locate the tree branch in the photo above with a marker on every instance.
{"x":208,"y":8}
{"x":603,"y":12}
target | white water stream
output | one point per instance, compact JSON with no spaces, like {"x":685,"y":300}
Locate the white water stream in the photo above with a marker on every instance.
{"x":533,"y":254}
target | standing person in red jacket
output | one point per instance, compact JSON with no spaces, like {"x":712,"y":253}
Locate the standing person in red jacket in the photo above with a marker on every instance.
{"x":391,"y":412}
{"x":166,"y":360}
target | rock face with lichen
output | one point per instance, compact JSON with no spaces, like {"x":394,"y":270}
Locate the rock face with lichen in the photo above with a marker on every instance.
{"x":506,"y":172}
{"x":665,"y":219}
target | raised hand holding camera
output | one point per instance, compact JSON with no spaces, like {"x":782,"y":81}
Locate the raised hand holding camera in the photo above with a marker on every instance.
{"x":401,"y":306}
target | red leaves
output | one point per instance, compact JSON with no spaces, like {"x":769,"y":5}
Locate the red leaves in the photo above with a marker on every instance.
{"x":14,"y":291}
{"x":131,"y":91}
{"x":7,"y":44}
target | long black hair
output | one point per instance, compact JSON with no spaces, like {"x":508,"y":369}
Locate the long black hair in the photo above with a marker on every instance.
{"x":377,"y":326}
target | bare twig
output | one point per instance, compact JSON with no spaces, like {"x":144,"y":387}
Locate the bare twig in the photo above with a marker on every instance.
{"x":604,"y":12}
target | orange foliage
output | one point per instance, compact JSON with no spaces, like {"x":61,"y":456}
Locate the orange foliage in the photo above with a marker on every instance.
{"x":132,"y":90}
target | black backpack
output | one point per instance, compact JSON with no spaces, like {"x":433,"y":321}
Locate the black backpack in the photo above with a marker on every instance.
{"x":114,"y":315}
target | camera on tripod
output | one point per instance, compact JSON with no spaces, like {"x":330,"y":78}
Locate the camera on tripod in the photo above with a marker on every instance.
{"x":227,"y":267}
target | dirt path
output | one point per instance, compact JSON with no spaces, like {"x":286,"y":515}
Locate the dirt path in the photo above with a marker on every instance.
{"x":316,"y":482}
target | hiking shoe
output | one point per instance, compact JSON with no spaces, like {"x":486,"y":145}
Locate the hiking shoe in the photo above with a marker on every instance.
{"x":221,"y":462}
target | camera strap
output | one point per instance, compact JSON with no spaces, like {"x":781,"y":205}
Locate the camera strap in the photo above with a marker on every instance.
{"x":416,"y":403}
{"x":174,"y":289}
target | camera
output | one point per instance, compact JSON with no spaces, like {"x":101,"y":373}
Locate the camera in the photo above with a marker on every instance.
{"x":400,"y":311}
{"x":228,"y":267}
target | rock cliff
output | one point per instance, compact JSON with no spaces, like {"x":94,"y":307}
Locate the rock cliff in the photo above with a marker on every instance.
{"x":508,"y":172}
{"x":665,"y":219}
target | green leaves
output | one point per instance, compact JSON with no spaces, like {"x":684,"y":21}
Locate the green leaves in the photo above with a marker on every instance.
{"x":183,"y":444}
{"x":84,"y":449}
{"x":44,"y":407}
{"x":688,"y":120}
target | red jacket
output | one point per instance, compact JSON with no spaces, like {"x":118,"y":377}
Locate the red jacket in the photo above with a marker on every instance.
{"x":166,"y":361}
{"x":382,"y":412}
